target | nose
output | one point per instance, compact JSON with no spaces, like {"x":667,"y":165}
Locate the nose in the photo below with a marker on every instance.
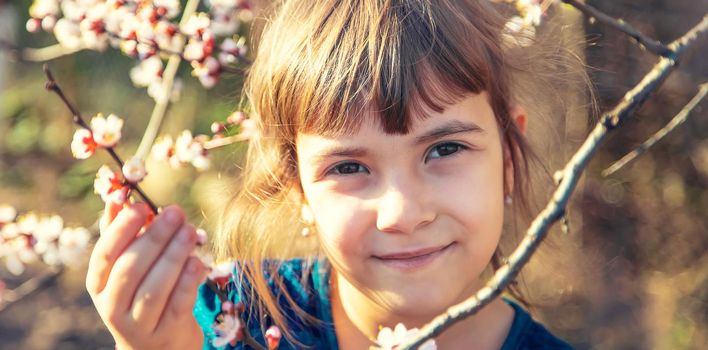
{"x":403,"y":207}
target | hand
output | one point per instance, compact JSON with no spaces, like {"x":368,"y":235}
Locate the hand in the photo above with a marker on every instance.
{"x":144,"y":284}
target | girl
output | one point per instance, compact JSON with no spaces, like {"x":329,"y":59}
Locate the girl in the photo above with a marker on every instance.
{"x":391,"y":135}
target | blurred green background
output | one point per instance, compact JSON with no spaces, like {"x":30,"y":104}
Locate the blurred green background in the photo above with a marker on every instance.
{"x":632,"y":273}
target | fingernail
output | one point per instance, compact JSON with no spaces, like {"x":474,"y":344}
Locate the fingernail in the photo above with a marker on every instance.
{"x":201,"y":237}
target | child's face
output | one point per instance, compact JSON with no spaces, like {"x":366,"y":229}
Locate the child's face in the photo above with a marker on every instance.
{"x":410,"y":220}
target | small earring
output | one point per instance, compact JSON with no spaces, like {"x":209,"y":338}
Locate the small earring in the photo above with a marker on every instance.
{"x":308,"y":219}
{"x":508,"y":200}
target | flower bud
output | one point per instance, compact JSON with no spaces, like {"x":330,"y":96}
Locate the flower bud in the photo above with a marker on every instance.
{"x":7,"y":213}
{"x":134,"y":170}
{"x":273,"y":336}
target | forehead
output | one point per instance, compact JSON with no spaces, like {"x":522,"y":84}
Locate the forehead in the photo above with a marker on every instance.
{"x":472,"y":111}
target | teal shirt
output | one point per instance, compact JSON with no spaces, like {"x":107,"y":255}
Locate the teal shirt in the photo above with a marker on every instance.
{"x":307,"y":281}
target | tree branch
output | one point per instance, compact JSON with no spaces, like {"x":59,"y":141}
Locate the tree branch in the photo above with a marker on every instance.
{"x":28,"y":287}
{"x":677,"y":120}
{"x":162,"y":102}
{"x":43,"y":54}
{"x":650,"y":44}
{"x":53,"y":86}
{"x":555,"y":208}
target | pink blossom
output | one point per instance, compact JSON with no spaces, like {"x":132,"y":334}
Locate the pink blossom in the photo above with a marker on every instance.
{"x":43,"y":8}
{"x":48,"y":23}
{"x":389,"y":339}
{"x":134,"y":170}
{"x":223,"y":25}
{"x":72,"y":242}
{"x":273,"y":336}
{"x":232,"y":50}
{"x":236,"y":117}
{"x":33,"y":25}
{"x":109,"y":186}
{"x":171,"y":8}
{"x":249,"y":129}
{"x":222,"y":273}
{"x":196,"y":24}
{"x":147,"y":72}
{"x":191,"y":150}
{"x":207,"y":71}
{"x":195,"y":50}
{"x":83,"y":145}
{"x":106,"y":131}
{"x":227,"y":331}
{"x":7,"y":214}
{"x":531,"y":11}
{"x":518,"y":33}
{"x":163,"y":148}
{"x":68,"y":33}
{"x":45,"y":235}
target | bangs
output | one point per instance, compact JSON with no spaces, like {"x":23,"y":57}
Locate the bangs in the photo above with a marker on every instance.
{"x":350,"y":60}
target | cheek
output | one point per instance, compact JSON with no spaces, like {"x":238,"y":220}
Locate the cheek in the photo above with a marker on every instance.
{"x":474,"y":198}
{"x":342,"y":224}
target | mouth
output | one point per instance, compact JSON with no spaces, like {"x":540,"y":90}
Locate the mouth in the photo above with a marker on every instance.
{"x":413,"y":260}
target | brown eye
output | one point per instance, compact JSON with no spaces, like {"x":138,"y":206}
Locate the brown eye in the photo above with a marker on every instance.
{"x":348,"y":168}
{"x":443,"y":150}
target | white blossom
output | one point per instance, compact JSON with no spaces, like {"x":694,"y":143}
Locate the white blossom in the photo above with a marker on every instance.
{"x":106,"y":131}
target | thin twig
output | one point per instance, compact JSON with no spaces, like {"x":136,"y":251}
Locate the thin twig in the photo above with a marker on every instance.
{"x":163,"y":100}
{"x":53,"y":86}
{"x":224,"y":141}
{"x":619,"y":24}
{"x":28,"y":287}
{"x":555,"y":208}
{"x":42,"y":54}
{"x":677,"y":120}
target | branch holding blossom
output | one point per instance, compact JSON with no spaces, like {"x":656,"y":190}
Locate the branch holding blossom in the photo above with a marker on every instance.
{"x":555,"y":208}
{"x":105,"y":133}
{"x":53,"y":86}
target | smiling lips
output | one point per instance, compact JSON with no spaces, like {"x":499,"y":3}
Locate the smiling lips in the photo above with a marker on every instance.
{"x":413,"y":260}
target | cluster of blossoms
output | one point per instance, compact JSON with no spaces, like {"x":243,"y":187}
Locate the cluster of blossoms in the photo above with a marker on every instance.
{"x":144,"y":29}
{"x":521,"y":29}
{"x":104,"y":132}
{"x":29,"y":238}
{"x":188,"y":149}
{"x":389,"y":339}
{"x":229,"y":328}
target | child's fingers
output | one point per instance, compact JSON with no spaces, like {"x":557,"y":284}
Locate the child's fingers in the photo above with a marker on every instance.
{"x":183,"y":296}
{"x":109,"y":213}
{"x":153,"y":293}
{"x":114,"y":240}
{"x":132,"y":266}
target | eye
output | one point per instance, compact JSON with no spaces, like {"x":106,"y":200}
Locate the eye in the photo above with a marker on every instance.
{"x":347,"y":168}
{"x":444,"y":150}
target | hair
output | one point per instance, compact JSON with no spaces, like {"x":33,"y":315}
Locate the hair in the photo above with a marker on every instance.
{"x":322,"y":65}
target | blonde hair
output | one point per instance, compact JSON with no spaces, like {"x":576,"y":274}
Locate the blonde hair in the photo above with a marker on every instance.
{"x":319,"y":66}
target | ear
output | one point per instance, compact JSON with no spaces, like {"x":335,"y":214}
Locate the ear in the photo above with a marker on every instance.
{"x":519,"y":117}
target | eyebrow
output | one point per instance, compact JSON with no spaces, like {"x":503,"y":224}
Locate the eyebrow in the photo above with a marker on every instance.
{"x":449,"y":128}
{"x":339,"y":151}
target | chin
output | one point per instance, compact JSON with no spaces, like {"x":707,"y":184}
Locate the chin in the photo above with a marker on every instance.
{"x":421,"y":304}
